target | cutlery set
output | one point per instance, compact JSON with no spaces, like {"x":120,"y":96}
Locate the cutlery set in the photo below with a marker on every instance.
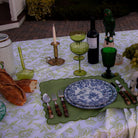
{"x":128,"y":98}
{"x":47,"y":99}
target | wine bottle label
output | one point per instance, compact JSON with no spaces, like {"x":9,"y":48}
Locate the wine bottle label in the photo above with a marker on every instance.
{"x":92,"y":42}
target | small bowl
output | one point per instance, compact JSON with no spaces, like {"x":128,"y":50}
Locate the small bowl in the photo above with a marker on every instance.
{"x":2,"y":110}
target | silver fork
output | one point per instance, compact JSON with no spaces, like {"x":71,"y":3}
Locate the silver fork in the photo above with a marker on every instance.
{"x":61,"y":95}
{"x":54,"y":98}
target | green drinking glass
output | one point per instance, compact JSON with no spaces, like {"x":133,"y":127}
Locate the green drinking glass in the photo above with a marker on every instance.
{"x":108,"y":59}
{"x":79,"y":49}
{"x":77,"y":37}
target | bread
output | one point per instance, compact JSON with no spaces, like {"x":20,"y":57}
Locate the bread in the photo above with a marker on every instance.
{"x":13,"y":93}
{"x":5,"y":77}
{"x":27,"y":85}
{"x":10,"y":90}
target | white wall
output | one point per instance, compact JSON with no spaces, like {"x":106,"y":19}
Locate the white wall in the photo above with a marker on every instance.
{"x":16,"y":7}
{"x":19,"y":6}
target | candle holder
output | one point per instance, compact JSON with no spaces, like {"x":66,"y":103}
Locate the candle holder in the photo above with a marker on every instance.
{"x":55,"y":61}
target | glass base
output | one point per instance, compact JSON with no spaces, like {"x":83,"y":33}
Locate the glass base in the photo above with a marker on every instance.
{"x":80,"y":72}
{"x":77,"y":58}
{"x":108,"y":75}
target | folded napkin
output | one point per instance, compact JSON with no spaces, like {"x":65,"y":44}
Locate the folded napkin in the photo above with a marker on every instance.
{"x":53,"y":86}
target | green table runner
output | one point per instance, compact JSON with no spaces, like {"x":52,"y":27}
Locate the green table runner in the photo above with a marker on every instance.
{"x":75,"y":113}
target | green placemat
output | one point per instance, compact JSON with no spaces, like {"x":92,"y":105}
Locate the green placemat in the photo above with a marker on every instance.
{"x":75,"y":113}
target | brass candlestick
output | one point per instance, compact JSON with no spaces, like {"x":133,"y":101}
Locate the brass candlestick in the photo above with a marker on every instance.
{"x":55,"y":61}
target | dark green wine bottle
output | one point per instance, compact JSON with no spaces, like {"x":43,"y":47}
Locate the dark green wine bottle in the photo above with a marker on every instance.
{"x":93,"y":41}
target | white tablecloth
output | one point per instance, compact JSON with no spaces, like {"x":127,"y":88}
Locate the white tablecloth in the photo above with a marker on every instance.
{"x":28,"y":121}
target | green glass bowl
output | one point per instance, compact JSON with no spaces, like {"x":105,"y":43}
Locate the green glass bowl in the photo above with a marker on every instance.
{"x":80,"y":48}
{"x":77,"y":36}
{"x":25,"y":74}
{"x":2,"y":110}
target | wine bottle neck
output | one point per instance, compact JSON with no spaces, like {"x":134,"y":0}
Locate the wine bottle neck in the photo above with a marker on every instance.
{"x":92,"y":24}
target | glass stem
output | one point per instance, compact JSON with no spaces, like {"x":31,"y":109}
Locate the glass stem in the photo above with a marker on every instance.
{"x":108,"y":70}
{"x":78,"y":43}
{"x":79,"y":64}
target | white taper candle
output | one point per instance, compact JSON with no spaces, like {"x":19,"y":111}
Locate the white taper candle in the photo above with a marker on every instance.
{"x":54,"y":34}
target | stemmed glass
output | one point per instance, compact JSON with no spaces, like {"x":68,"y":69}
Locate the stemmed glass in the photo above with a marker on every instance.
{"x":77,"y":37}
{"x":108,"y":59}
{"x":79,"y":49}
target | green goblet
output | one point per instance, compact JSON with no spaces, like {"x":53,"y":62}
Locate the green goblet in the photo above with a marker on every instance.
{"x":77,"y":37}
{"x":108,"y":59}
{"x":79,"y":49}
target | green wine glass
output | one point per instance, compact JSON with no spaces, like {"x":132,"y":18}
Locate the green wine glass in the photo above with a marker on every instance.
{"x":77,"y":37}
{"x":79,"y":49}
{"x":108,"y":59}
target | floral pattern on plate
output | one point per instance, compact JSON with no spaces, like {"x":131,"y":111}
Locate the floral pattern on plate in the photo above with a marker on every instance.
{"x":90,"y":93}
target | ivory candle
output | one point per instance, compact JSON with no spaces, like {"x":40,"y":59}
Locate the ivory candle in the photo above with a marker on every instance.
{"x":54,"y":34}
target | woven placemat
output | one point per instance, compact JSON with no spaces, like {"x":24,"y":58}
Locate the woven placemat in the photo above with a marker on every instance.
{"x":53,"y":86}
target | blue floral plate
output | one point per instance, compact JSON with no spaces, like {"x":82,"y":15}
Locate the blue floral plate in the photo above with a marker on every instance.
{"x":90,"y":94}
{"x":2,"y":110}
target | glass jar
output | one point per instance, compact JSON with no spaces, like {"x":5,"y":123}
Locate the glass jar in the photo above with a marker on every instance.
{"x":6,"y":54}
